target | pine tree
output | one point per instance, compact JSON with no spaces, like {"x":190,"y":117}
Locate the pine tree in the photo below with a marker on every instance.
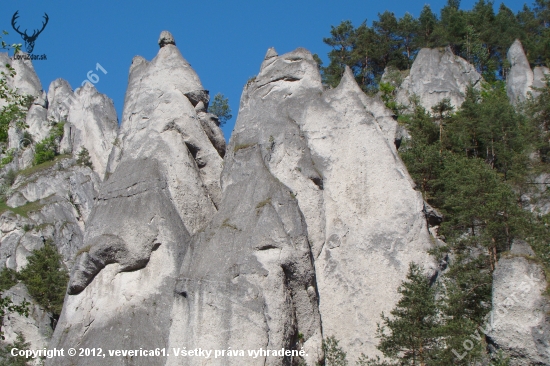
{"x":220,"y":107}
{"x":46,"y":278}
{"x":411,"y":334}
{"x":84,"y":158}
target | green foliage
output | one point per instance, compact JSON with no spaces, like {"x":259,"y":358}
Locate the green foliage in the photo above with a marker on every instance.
{"x":412,"y":335}
{"x":47,"y":149}
{"x":8,"y":279}
{"x":7,"y":306}
{"x":387,"y":93}
{"x":15,"y":108}
{"x":10,"y":177}
{"x":6,"y":359}
{"x":334,"y":354}
{"x":84,"y":158}
{"x":475,"y":166}
{"x":479,"y":35}
{"x":8,"y":158}
{"x":46,"y":278}
{"x":220,"y":107}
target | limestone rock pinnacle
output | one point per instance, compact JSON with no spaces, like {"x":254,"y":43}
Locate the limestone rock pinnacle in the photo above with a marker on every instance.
{"x":166,"y":38}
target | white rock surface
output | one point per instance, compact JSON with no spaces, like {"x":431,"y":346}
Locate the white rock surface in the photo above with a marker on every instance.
{"x":437,"y":74}
{"x":520,"y":76}
{"x":364,"y":219}
{"x":520,"y":324}
{"x":159,"y":121}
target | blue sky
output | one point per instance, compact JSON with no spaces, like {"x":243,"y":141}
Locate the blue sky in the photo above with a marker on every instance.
{"x":225,"y":41}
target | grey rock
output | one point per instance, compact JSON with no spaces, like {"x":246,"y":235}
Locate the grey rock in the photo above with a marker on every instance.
{"x":58,"y":203}
{"x":121,"y":288}
{"x":159,"y":122}
{"x":248,"y":280}
{"x":433,"y":216}
{"x":437,"y":74}
{"x":520,"y":325}
{"x":520,"y":247}
{"x":197,"y":96}
{"x":166,"y":38}
{"x":270,"y":56}
{"x":211,"y":126}
{"x":323,"y":145}
{"x":520,"y":76}
{"x":36,"y":328}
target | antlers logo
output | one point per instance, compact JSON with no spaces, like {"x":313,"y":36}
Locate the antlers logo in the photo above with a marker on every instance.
{"x":29,"y":40}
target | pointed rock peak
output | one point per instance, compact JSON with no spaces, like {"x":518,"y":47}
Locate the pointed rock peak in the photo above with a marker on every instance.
{"x":348,"y":80}
{"x":166,"y":38}
{"x":271,"y":53}
{"x":516,"y":54}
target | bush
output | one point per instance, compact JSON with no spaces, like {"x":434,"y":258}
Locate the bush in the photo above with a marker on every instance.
{"x":334,"y":354}
{"x":47,"y":149}
{"x":46,"y":278}
{"x":84,"y":158}
{"x":8,"y":279}
{"x":6,"y":359}
{"x":9,"y":177}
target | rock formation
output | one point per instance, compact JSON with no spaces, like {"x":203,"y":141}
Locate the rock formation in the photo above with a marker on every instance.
{"x":520,"y":325}
{"x":437,"y":74}
{"x":163,"y":184}
{"x":287,"y":250}
{"x":301,"y":229}
{"x":521,"y":80}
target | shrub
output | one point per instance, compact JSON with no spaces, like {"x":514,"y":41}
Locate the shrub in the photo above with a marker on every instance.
{"x":10,"y":176}
{"x":47,"y":149}
{"x":6,"y":359}
{"x":8,"y":279}
{"x":84,"y":158}
{"x":46,"y":278}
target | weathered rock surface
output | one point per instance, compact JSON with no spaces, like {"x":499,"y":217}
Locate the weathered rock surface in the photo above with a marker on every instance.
{"x":163,"y":182}
{"x":437,"y":74}
{"x":521,"y":324}
{"x":121,"y":288}
{"x":248,"y":280}
{"x":521,"y":80}
{"x":92,"y":124}
{"x":52,"y":203}
{"x":36,"y":328}
{"x":323,"y":145}
{"x":160,"y":122}
{"x":520,"y":76}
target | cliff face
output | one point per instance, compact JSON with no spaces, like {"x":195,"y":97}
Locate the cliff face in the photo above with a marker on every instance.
{"x":520,"y":324}
{"x":302,"y":229}
{"x":53,"y":201}
{"x":314,"y":220}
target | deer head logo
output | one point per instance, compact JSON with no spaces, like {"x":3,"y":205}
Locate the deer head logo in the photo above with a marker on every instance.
{"x":29,"y":40}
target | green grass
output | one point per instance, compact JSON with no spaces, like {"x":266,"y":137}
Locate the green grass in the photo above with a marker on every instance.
{"x":22,"y":210}
{"x":41,"y":167}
